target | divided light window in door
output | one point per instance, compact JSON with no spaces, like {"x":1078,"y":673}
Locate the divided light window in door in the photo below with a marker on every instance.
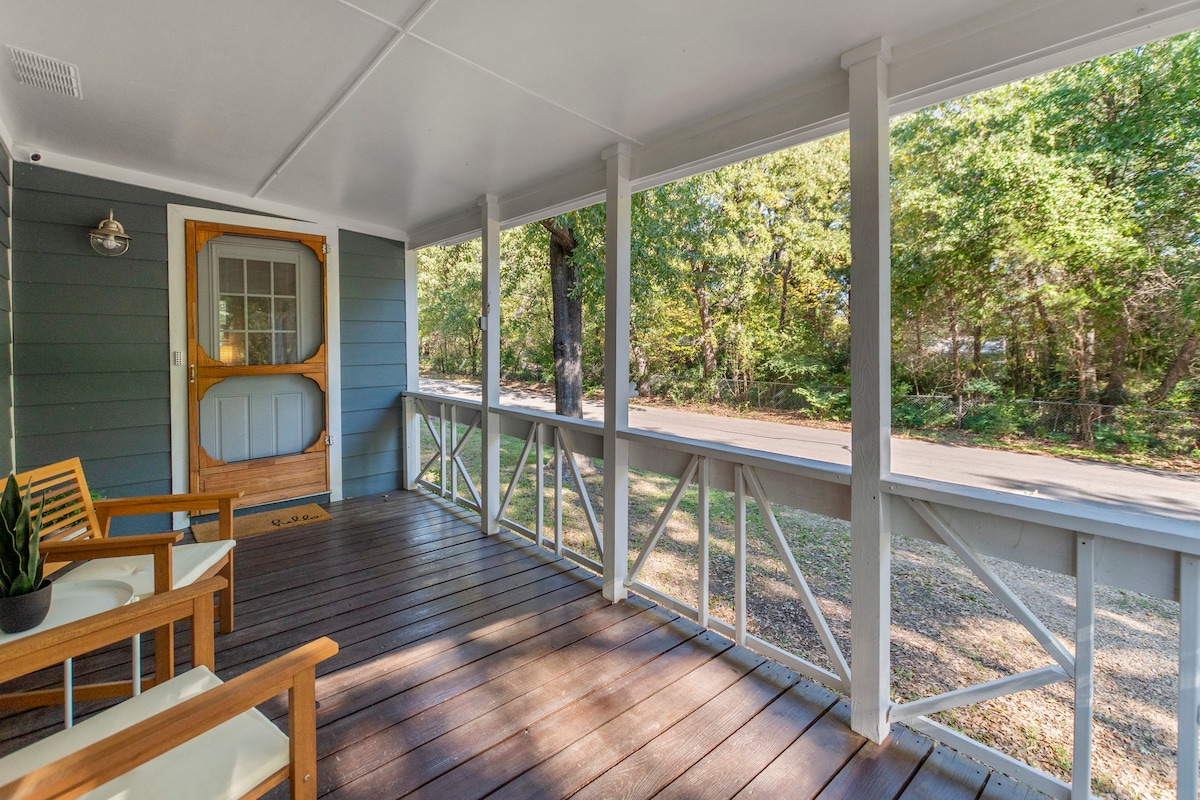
{"x":257,"y":312}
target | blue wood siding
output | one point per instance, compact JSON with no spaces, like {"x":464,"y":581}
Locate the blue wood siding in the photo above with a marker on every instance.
{"x":6,"y":465}
{"x":373,"y":362}
{"x":90,"y":368}
{"x":91,"y":345}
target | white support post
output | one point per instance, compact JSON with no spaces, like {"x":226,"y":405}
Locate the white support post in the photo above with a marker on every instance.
{"x":452,"y":465}
{"x":445,"y":464}
{"x":617,"y":227}
{"x":702,"y":544}
{"x":1085,"y":660}
{"x":740,"y":535}
{"x":540,"y":488}
{"x":870,"y":398}
{"x":489,"y":489}
{"x":412,"y":425}
{"x":1187,"y":762}
{"x":558,"y":493}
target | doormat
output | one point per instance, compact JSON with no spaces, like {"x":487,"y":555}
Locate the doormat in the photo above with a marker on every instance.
{"x":265,"y":522}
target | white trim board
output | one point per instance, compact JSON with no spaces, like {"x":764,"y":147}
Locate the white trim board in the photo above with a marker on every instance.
{"x":177,"y":216}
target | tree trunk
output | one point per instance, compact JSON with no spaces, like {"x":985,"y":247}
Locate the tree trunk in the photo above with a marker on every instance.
{"x":1180,"y":368}
{"x":568,"y":321}
{"x":1087,"y":362}
{"x":1114,"y":390}
{"x":708,"y":347}
{"x":956,"y":354}
{"x":977,"y":351}
{"x":785,"y":279}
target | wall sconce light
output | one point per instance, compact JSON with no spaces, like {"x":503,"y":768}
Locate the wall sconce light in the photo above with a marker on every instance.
{"x":109,"y":237}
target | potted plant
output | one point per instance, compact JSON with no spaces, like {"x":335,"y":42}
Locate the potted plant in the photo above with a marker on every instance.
{"x":24,"y":590}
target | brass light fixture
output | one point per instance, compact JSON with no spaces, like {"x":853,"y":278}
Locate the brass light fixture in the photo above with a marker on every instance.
{"x":109,"y":237}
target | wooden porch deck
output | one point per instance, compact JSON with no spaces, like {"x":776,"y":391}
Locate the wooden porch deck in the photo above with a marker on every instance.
{"x":474,"y":666}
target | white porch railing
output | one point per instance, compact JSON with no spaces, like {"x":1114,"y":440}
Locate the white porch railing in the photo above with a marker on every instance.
{"x":1151,"y":555}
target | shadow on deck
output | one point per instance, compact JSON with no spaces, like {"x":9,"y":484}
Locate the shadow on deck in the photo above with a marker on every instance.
{"x":474,"y":666}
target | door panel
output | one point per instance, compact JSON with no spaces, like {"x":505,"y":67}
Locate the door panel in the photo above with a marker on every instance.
{"x":257,"y":376}
{"x":258,"y":417}
{"x":231,"y":427}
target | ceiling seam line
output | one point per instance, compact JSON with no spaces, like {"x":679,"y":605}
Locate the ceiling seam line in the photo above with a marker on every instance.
{"x":405,"y":26}
{"x":333,"y":109}
{"x":522,"y":88}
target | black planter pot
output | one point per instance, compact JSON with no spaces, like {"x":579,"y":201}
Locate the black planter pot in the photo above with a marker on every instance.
{"x":25,"y":611}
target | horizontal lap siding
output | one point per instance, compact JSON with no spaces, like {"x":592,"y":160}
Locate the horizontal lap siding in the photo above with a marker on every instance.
{"x":373,"y":362}
{"x":6,"y":465}
{"x":91,"y":344}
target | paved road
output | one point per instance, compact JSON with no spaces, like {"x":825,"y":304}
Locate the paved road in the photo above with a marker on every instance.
{"x":1130,"y":488}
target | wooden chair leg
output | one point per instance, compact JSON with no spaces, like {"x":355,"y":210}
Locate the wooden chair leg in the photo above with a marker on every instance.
{"x":302,"y":736}
{"x":164,"y":653}
{"x":225,"y":596}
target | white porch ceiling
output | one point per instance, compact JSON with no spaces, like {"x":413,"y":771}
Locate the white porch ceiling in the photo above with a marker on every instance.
{"x":395,"y":116}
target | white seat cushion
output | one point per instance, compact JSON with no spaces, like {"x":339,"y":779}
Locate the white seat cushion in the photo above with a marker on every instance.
{"x":225,"y":762}
{"x":188,"y":562}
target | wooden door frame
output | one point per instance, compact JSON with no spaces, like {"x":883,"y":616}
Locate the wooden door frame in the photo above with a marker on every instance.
{"x":177,"y":216}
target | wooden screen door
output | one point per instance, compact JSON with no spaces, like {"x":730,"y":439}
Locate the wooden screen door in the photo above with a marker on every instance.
{"x":257,"y":369}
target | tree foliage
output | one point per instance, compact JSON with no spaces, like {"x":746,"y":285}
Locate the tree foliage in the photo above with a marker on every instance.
{"x":1046,"y":243}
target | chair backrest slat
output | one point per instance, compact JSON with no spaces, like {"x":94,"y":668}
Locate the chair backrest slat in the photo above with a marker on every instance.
{"x":61,"y":490}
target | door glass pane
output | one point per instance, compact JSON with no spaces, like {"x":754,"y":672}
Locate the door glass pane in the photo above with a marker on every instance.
{"x":260,"y":349}
{"x":258,"y":277}
{"x":285,"y":279}
{"x":258,"y":313}
{"x":286,"y":349}
{"x":231,"y":275}
{"x":285,"y":314}
{"x":232,"y":312}
{"x":233,"y":348}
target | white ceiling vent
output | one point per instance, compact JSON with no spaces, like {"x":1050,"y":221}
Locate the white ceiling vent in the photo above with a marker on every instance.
{"x":45,"y":73}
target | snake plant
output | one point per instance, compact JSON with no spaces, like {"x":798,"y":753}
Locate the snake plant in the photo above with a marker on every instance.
{"x":20,"y":563}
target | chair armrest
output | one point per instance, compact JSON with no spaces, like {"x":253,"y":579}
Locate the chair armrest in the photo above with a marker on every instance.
{"x":47,"y":648}
{"x":156,"y":504}
{"x":109,"y":758}
{"x":121,"y":546}
{"x":221,"y":502}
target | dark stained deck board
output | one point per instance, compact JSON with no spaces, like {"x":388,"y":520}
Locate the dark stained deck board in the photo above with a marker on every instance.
{"x":1001,"y":787}
{"x":649,"y":769}
{"x":475,"y":666}
{"x":946,"y":775}
{"x":572,"y":767}
{"x":812,"y":761}
{"x":464,"y":691}
{"x":558,"y":733}
{"x":396,"y":767}
{"x":880,"y":770}
{"x":744,"y":755}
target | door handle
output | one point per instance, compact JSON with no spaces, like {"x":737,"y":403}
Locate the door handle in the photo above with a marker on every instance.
{"x":191,"y":373}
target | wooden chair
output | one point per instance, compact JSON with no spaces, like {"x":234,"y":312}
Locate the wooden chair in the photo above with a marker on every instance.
{"x":192,"y":731}
{"x":75,"y":528}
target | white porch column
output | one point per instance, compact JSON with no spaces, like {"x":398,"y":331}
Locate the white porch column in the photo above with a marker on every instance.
{"x":412,"y":350}
{"x":617,"y":225}
{"x":870,"y":395}
{"x":489,"y":489}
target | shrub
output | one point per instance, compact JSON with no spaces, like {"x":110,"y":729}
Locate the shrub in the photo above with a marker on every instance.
{"x":993,"y":419}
